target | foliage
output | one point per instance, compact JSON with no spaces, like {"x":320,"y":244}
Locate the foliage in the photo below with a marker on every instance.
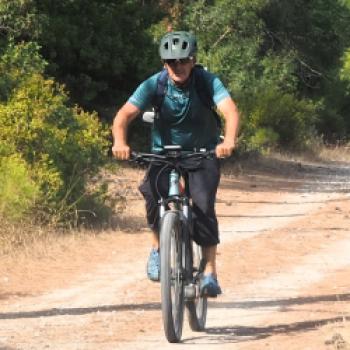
{"x":17,"y":63}
{"x":60,"y":145}
{"x":276,"y":118}
{"x":19,"y":19}
{"x":99,"y":49}
{"x":288,"y":49}
{"x":264,"y":139}
{"x":345,"y":70}
{"x":18,"y":191}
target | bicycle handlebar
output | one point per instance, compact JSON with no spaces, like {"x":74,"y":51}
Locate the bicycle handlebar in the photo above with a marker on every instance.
{"x":170,"y":155}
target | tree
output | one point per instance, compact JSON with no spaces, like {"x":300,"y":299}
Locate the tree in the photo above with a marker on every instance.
{"x":276,"y":47}
{"x":98,"y":49}
{"x":18,"y":19}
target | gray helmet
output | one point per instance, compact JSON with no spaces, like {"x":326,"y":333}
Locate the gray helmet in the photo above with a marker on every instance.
{"x":176,"y":45}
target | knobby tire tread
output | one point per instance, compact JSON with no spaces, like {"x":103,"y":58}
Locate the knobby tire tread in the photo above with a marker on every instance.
{"x":173,"y":330}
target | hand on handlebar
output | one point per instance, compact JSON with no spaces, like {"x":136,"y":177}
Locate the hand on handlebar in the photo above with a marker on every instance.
{"x":225,"y":149}
{"x":121,"y":152}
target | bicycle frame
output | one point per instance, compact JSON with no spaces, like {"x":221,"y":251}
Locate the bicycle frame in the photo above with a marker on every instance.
{"x":179,"y":278}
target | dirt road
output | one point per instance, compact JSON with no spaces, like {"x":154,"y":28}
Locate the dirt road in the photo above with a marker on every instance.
{"x":284,"y":267}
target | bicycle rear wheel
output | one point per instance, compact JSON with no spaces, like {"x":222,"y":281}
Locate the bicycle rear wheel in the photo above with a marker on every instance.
{"x":171,"y":276}
{"x":197,"y":308}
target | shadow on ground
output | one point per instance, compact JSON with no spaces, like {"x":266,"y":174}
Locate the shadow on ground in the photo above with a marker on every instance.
{"x":237,"y":334}
{"x":78,"y":311}
{"x":251,"y":304}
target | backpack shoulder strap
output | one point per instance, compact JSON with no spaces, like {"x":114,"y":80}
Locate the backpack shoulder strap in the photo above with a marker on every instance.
{"x":204,"y":92}
{"x":162,"y":84}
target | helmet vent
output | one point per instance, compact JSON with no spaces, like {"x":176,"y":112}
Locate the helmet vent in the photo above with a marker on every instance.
{"x":175,"y":43}
{"x":184,"y":45}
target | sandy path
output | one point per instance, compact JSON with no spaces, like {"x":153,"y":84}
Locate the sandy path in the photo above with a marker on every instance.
{"x":283,"y":241}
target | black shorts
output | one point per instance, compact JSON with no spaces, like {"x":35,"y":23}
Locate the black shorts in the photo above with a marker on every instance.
{"x":203,"y":183}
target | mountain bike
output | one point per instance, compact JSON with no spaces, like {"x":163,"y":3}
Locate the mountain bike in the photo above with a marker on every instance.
{"x":181,"y":259}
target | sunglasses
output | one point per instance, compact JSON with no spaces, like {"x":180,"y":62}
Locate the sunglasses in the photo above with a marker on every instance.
{"x":172,"y":62}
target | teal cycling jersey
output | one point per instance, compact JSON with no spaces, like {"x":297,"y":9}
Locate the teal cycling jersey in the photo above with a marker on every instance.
{"x":183,"y":119}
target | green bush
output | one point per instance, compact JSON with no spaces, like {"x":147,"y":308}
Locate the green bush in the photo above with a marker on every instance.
{"x":272,"y":115}
{"x":263,"y":139}
{"x":17,"y":63}
{"x":60,"y":145}
{"x":17,"y":191}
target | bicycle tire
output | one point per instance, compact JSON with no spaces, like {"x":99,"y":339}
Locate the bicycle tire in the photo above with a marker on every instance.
{"x":171,"y":279}
{"x":197,"y":308}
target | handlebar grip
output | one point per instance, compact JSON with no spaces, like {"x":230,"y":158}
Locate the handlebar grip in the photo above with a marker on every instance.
{"x":133,"y":154}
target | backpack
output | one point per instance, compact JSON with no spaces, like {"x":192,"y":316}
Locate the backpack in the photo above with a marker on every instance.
{"x":201,"y":86}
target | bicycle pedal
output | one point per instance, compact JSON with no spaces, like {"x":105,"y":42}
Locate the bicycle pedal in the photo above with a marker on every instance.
{"x":190,"y":291}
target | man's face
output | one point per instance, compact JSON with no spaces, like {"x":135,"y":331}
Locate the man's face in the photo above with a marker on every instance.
{"x":179,"y":70}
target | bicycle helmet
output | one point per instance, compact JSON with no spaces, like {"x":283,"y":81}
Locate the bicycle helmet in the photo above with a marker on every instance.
{"x":176,"y":45}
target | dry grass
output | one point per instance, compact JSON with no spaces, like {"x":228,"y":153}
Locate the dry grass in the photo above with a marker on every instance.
{"x":337,"y":153}
{"x":14,"y":236}
{"x":28,"y":239}
{"x":324,"y":154}
{"x":24,"y":238}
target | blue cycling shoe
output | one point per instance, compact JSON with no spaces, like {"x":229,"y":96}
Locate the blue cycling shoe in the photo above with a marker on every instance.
{"x":153,"y":265}
{"x":209,"y":286}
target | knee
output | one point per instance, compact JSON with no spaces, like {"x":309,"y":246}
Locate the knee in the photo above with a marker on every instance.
{"x":204,"y":207}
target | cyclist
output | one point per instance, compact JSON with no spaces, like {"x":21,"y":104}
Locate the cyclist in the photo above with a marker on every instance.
{"x":183,"y":119}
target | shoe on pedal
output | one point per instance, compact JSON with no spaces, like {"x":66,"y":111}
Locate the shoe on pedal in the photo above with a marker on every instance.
{"x":153,"y":266}
{"x":209,"y":286}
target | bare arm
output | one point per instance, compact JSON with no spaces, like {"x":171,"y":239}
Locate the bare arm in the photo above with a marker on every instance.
{"x":125,"y":115}
{"x":230,"y":112}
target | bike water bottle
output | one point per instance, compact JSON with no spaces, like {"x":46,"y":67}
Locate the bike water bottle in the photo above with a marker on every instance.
{"x":174,"y":183}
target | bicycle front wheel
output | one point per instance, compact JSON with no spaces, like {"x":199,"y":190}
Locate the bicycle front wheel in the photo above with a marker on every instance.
{"x":171,"y":276}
